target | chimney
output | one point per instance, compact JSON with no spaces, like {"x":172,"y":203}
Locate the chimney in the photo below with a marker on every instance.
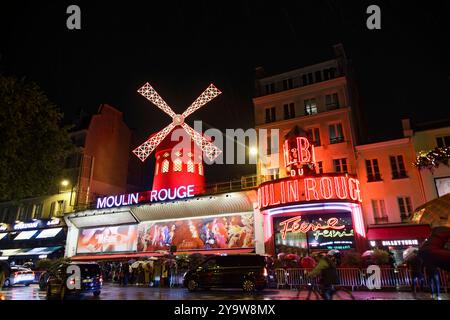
{"x":406,"y":125}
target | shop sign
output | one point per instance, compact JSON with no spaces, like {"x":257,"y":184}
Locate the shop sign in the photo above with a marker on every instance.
{"x":146,"y":196}
{"x":3,"y":227}
{"x":293,"y":225}
{"x":29,"y":225}
{"x":291,"y":190}
{"x":393,"y":243}
{"x":53,"y":222}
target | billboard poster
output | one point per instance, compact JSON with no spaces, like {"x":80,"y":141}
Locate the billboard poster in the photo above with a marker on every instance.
{"x":107,"y":239}
{"x":221,"y":232}
{"x":317,"y":231}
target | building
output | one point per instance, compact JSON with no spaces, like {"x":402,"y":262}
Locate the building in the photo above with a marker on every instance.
{"x":99,"y":166}
{"x":427,"y":137}
{"x":391,"y":189}
{"x":311,"y":114}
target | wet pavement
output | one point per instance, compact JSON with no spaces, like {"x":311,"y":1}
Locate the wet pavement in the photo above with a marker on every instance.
{"x":116,"y":292}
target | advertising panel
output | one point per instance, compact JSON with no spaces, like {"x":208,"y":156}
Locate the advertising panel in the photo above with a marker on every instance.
{"x":108,"y":239}
{"x":221,"y":232}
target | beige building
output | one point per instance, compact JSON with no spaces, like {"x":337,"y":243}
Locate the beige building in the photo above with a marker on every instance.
{"x":319,"y":99}
{"x":428,"y":136}
{"x":390,"y":185}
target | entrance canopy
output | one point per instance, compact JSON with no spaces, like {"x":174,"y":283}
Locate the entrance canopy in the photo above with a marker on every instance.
{"x":39,"y":251}
{"x":398,"y":232}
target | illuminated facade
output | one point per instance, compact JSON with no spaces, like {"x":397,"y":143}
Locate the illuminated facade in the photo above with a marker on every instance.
{"x":307,"y":178}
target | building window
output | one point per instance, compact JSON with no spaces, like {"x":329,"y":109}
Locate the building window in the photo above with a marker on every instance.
{"x":398,"y":167}
{"x":177,"y":165}
{"x":443,"y":142}
{"x":329,"y":73}
{"x":200,"y":169}
{"x":405,"y":207}
{"x":61,"y":207}
{"x":38,"y":211}
{"x":289,"y":111}
{"x":336,"y":133}
{"x":270,"y":115}
{"x":310,"y":78}
{"x":318,"y":76}
{"x":379,"y":211}
{"x":190,"y":166}
{"x":373,"y":171}
{"x":340,"y":165}
{"x":304,"y":80}
{"x":52,"y":209}
{"x":332,"y":101}
{"x":310,"y":106}
{"x":269,"y":144}
{"x":165,"y":166}
{"x":4,"y":216}
{"x":270,"y":88}
{"x":320,"y":166}
{"x":287,"y":84}
{"x":314,"y":136}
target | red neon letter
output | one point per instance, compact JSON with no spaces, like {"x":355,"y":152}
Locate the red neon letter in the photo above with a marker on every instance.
{"x":341,"y":187}
{"x":303,"y":153}
{"x":272,"y":195}
{"x":292,"y":191}
{"x":326,"y":188}
{"x":355,"y":192}
{"x":310,"y":185}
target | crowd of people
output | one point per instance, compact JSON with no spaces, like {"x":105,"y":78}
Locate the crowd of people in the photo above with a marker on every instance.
{"x":152,"y":273}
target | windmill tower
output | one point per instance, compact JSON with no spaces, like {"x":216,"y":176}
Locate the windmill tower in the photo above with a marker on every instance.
{"x":178,"y":167}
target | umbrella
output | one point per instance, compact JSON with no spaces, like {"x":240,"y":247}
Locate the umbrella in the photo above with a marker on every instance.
{"x":333,"y":252}
{"x":136,"y":264}
{"x":308,"y":262}
{"x":367,"y":253}
{"x":435,"y":212}
{"x":409,"y":253}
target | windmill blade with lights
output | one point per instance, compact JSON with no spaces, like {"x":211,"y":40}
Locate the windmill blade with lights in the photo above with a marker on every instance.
{"x":154,"y":141}
{"x":145,"y":149}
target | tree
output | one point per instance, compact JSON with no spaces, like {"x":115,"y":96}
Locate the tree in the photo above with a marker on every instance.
{"x":32,"y":142}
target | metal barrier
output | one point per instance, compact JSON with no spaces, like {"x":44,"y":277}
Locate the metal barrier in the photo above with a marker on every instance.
{"x":399,"y":278}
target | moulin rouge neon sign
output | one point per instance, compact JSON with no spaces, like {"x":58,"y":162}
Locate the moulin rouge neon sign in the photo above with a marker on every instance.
{"x":146,"y":196}
{"x":297,"y":155}
{"x":293,"y":225}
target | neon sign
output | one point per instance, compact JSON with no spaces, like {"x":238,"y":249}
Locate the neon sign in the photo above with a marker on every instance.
{"x":298,"y":154}
{"x":21,"y":225}
{"x":146,"y":196}
{"x":298,"y":189}
{"x":293,"y":225}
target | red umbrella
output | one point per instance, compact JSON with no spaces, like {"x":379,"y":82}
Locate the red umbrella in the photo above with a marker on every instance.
{"x":308,"y":263}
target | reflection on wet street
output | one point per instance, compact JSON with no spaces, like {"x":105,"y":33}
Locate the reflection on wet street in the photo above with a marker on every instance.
{"x":115,"y":292}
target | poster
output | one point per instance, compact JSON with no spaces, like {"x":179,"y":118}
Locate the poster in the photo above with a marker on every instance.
{"x":108,"y":239}
{"x":224,"y":232}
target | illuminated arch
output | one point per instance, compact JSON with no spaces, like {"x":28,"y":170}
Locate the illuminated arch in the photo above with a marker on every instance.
{"x":190,"y":166}
{"x":177,"y":165}
{"x":165,"y":166}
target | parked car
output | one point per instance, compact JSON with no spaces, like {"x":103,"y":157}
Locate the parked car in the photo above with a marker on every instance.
{"x":58,"y":278}
{"x":19,"y":275}
{"x":246,"y":271}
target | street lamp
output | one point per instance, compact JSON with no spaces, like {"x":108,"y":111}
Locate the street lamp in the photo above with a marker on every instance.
{"x":253,"y":151}
{"x":65,"y":183}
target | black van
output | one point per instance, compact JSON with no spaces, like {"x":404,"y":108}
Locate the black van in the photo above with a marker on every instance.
{"x":91,"y":280}
{"x":246,"y":271}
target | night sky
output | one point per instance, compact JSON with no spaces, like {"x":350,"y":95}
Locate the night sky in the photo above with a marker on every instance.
{"x":182,"y":46}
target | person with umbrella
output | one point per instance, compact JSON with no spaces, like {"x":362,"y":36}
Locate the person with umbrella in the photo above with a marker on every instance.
{"x":415,"y":266}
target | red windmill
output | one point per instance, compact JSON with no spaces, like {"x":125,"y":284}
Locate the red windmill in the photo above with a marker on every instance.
{"x":170,"y":170}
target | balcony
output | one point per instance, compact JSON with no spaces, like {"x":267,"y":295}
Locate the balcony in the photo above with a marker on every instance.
{"x":337,"y":140}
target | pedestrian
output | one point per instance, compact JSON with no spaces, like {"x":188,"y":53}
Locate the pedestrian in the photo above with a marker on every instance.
{"x":415,"y":266}
{"x":433,"y":281}
{"x":326,"y":269}
{"x":125,"y":273}
{"x":147,"y":274}
{"x":140,"y":275}
{"x":5,"y":271}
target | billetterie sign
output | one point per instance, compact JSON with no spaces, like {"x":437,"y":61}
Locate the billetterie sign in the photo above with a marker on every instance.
{"x":146,"y":196}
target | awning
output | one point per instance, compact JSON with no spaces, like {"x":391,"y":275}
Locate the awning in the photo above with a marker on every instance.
{"x":399,"y":232}
{"x":95,"y":257}
{"x":29,"y":251}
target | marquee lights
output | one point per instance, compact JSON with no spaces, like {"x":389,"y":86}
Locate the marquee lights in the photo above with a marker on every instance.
{"x":145,"y":149}
{"x":146,"y":196}
{"x":285,"y":191}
